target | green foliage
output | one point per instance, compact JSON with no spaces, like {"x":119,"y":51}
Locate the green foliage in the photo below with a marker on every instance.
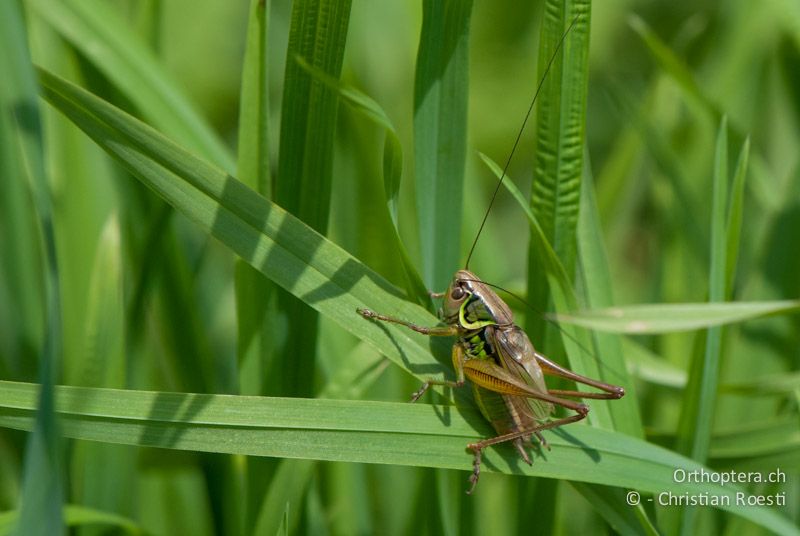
{"x":142,"y":265}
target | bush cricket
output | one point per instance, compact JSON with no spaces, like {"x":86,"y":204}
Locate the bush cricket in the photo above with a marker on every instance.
{"x":497,"y":357}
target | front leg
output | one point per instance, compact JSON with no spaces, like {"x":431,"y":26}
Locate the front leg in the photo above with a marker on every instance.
{"x":437,"y":331}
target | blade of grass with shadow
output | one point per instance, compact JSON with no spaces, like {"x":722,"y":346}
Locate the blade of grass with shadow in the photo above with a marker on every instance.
{"x":359,"y":431}
{"x":280,"y":246}
{"x":317,"y":32}
{"x":392,"y":171}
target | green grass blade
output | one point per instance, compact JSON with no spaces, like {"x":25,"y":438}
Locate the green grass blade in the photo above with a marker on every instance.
{"x":673,"y":317}
{"x":102,"y":363}
{"x":560,"y":127}
{"x":597,"y":288}
{"x":253,"y":154}
{"x":107,"y":41}
{"x":544,"y":250}
{"x":308,"y":111}
{"x":255,"y":304}
{"x":22,"y":301}
{"x":42,"y":493}
{"x":440,"y":134}
{"x":392,"y":171}
{"x":358,"y":431}
{"x":276,"y":243}
{"x":700,"y":395}
{"x":733,"y":229}
{"x":317,"y":34}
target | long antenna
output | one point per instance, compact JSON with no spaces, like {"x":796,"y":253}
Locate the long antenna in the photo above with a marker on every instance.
{"x":519,"y":136}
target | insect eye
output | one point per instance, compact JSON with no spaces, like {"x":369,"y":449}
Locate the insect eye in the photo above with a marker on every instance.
{"x":458,"y":293}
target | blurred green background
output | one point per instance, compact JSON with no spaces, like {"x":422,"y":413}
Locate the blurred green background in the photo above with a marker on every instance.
{"x":150,"y":302}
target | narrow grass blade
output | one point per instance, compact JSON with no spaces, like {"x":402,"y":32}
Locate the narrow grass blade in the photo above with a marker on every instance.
{"x":42,"y":492}
{"x":545,"y":252}
{"x":102,"y":362}
{"x":358,"y":431}
{"x":597,"y":289}
{"x":654,"y":318}
{"x":22,"y":302}
{"x":107,"y":41}
{"x":255,"y":294}
{"x":733,"y":229}
{"x":253,"y":154}
{"x":560,"y":127}
{"x":701,"y":395}
{"x":440,"y":121}
{"x":317,"y":33}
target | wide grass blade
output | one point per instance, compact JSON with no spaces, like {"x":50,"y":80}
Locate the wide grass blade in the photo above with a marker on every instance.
{"x":440,"y":134}
{"x":359,"y":431}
